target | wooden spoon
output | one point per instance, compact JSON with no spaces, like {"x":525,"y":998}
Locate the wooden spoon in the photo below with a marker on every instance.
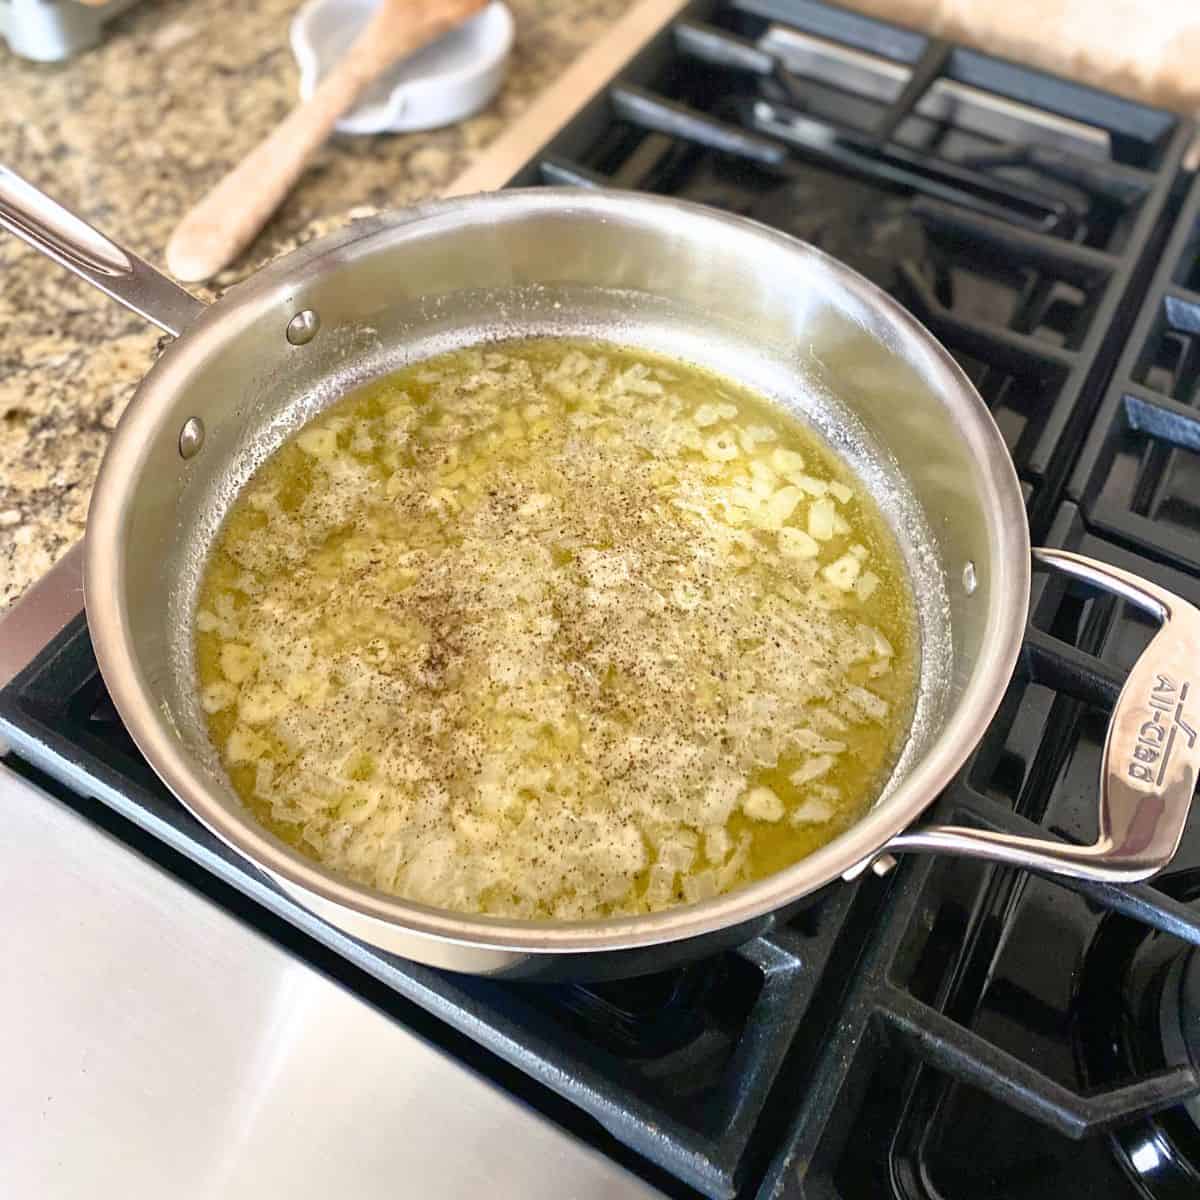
{"x":227,"y":219}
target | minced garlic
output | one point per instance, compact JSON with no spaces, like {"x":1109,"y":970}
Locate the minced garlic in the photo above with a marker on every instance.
{"x":554,"y":629}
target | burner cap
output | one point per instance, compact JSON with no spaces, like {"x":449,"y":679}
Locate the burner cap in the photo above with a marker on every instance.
{"x":1179,"y":1017}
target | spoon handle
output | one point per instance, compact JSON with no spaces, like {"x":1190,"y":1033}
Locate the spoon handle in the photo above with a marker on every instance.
{"x":227,"y":219}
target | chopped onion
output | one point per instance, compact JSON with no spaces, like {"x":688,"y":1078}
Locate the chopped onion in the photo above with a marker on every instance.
{"x":820,"y":520}
{"x":809,"y":740}
{"x":786,"y":462}
{"x":717,"y":844}
{"x":744,"y":498}
{"x":865,"y":585}
{"x":729,"y":874}
{"x":811,"y":485}
{"x":781,"y":506}
{"x":869,"y":704}
{"x":721,"y":447}
{"x":827,"y":721}
{"x":320,"y":443}
{"x":261,"y":703}
{"x":762,"y":804}
{"x":263,"y":499}
{"x":814,"y":768}
{"x":795,"y":543}
{"x":752,"y":435}
{"x":661,"y":887}
{"x":244,"y":745}
{"x":811,"y":812}
{"x":753,"y":641}
{"x":764,"y":489}
{"x":842,"y":572}
{"x":701,"y":886}
{"x":678,"y":854}
{"x":207,"y":622}
{"x":238,"y":662}
{"x":217,"y":696}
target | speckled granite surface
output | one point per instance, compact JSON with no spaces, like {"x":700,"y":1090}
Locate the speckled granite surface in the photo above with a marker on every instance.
{"x":130,"y":135}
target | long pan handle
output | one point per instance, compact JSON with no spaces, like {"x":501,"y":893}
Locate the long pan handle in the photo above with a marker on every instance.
{"x":69,"y":240}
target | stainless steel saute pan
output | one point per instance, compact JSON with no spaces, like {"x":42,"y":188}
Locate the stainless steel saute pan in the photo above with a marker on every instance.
{"x":771,"y":312}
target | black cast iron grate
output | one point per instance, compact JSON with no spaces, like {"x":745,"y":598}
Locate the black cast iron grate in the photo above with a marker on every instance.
{"x":1011,"y":212}
{"x":1138,"y":479}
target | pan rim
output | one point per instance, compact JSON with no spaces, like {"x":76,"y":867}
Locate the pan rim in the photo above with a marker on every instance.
{"x":104,"y":585}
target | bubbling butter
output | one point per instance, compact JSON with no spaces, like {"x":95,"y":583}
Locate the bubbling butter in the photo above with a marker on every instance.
{"x":555,"y":629}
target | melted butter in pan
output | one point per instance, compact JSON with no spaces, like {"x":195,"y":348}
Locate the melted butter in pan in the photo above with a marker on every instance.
{"x":555,"y":629}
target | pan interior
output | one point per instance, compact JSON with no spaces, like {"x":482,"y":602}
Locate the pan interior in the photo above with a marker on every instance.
{"x":628,"y":319}
{"x":775,"y":316}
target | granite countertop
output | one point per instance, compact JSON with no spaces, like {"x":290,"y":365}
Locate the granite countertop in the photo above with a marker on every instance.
{"x":130,"y":134}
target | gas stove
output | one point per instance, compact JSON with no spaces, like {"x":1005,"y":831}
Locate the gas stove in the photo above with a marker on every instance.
{"x":948,"y":1029}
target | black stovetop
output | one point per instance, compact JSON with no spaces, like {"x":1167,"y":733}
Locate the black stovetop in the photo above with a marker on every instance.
{"x":952,"y":1029}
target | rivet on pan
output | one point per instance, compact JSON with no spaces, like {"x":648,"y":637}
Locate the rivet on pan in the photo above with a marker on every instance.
{"x":191,"y":437}
{"x":883,"y":865}
{"x":969,"y":581}
{"x":302,"y":328}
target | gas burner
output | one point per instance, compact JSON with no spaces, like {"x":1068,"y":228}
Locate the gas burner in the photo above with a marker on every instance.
{"x":645,"y":1017}
{"x":854,"y":222}
{"x":1137,"y":1009}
